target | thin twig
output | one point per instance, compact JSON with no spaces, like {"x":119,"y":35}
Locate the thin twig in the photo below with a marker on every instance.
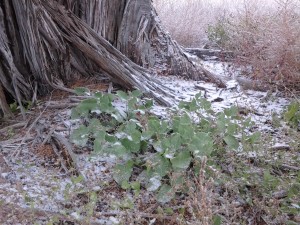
{"x":19,"y":150}
{"x":14,"y":126}
{"x":61,"y":159}
{"x":136,"y":214}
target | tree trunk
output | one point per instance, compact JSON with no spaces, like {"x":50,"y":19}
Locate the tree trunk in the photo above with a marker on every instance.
{"x":45,"y":43}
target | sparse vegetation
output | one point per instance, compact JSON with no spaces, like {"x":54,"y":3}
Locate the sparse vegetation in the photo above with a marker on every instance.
{"x":194,"y":156}
{"x":263,"y":35}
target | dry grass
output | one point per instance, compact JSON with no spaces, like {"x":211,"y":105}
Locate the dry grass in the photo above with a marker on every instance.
{"x":262,"y":34}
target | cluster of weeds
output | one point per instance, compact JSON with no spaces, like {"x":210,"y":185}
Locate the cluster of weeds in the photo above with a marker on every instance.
{"x":292,"y":114}
{"x":154,"y":153}
{"x":195,"y":152}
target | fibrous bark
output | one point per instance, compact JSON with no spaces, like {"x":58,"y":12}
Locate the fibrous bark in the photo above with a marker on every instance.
{"x":50,"y":42}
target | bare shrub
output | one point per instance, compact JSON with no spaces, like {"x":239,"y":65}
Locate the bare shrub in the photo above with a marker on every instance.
{"x":264,"y":35}
{"x":268,"y":39}
{"x":186,"y":20}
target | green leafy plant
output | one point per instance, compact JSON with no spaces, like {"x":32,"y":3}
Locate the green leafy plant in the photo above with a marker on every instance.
{"x":292,"y":114}
{"x":155,"y":153}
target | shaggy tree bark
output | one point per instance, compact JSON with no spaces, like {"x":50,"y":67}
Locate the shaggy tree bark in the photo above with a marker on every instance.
{"x":47,"y":43}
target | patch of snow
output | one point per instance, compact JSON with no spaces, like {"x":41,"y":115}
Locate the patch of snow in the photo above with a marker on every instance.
{"x":154,"y":183}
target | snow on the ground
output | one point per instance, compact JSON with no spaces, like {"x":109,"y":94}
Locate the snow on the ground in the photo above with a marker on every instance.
{"x":262,"y":104}
{"x":31,"y":185}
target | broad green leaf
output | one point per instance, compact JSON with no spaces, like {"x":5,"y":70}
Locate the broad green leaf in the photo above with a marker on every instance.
{"x":232,"y":128}
{"x":154,"y":125}
{"x":175,"y":141}
{"x":176,"y":123}
{"x":98,"y":95}
{"x":191,"y":106}
{"x":182,"y":160}
{"x":135,"y":185}
{"x":231,"y":141}
{"x":132,"y":104}
{"x":111,"y":138}
{"x":292,"y":109}
{"x":149,"y":103}
{"x":98,"y":145}
{"x":82,"y":91}
{"x":137,"y":93}
{"x":146,"y":135}
{"x":130,"y":127}
{"x":158,"y":146}
{"x":160,"y":165}
{"x":253,"y":138}
{"x":221,"y":122}
{"x":84,"y":108}
{"x":95,"y":126}
{"x":205,"y":104}
{"x":123,"y":172}
{"x":186,"y":128}
{"x":106,"y":104}
{"x":217,"y":220}
{"x":132,"y":146}
{"x":119,"y":150}
{"x":201,"y":144}
{"x":232,"y":111}
{"x":122,"y":95}
{"x":125,"y":185}
{"x":247,"y":122}
{"x":165,"y":194}
{"x":80,"y":136}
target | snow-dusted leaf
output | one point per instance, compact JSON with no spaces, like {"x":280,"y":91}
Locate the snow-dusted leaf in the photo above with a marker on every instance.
{"x":132,"y":146}
{"x":122,"y":95}
{"x":182,"y":160}
{"x":202,"y":144}
{"x":82,"y":91}
{"x":137,"y":93}
{"x":231,"y":141}
{"x":161,"y":165}
{"x":157,"y":146}
{"x":123,"y":172}
{"x":165,"y":194}
{"x":80,"y":136}
{"x":154,"y":183}
{"x":95,"y":126}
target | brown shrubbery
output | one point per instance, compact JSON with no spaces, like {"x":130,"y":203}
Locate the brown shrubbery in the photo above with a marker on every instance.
{"x":264,"y":35}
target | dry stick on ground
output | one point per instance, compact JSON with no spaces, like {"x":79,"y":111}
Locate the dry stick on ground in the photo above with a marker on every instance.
{"x":19,"y":150}
{"x":12,"y":141}
{"x":14,"y":126}
{"x":6,"y":211}
{"x":61,"y":159}
{"x":64,"y":142}
{"x":136,"y":214}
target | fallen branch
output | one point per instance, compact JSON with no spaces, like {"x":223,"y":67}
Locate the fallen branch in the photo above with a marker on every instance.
{"x":136,"y":214}
{"x":14,"y":126}
{"x":61,"y":159}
